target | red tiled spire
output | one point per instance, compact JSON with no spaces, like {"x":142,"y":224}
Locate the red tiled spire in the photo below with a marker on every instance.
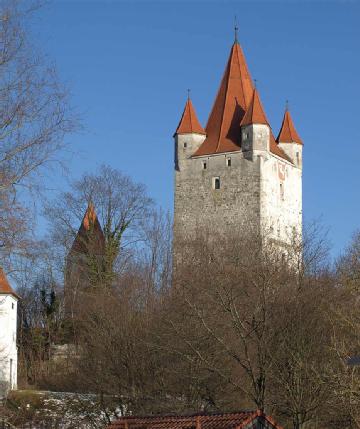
{"x":90,"y":216}
{"x":90,"y":225}
{"x":288,"y":133}
{"x":5,"y":288}
{"x":255,"y":113}
{"x":232,"y":99}
{"x":189,"y":122}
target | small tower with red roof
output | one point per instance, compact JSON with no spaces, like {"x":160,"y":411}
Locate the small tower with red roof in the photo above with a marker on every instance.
{"x":289,"y":140}
{"x":8,"y":347}
{"x":255,"y":129}
{"x":234,"y":177}
{"x":85,"y":262}
{"x":189,"y":134}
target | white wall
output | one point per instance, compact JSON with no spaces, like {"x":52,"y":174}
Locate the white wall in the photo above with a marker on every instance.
{"x":8,"y":349}
{"x":281,"y":199}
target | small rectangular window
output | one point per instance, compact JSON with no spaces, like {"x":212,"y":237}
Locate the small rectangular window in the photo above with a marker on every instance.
{"x":185,"y":144}
{"x":228,"y":162}
{"x":297,"y":158}
{"x":204,"y":165}
{"x":216,"y":182}
{"x":12,"y":305}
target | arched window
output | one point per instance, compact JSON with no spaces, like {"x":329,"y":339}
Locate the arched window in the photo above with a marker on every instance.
{"x":216,"y":182}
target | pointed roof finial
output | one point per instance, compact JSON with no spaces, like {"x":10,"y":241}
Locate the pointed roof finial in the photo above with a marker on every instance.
{"x":188,"y":93}
{"x":255,"y":83}
{"x":286,"y":105}
{"x":236,"y":29}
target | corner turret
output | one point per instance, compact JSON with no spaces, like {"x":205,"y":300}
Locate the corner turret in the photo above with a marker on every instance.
{"x":189,"y":134}
{"x":289,"y":140}
{"x":255,"y":129}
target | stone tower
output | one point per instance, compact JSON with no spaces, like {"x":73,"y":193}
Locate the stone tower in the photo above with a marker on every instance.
{"x":234,"y":176}
{"x":84,"y":263}
{"x":8,"y":347}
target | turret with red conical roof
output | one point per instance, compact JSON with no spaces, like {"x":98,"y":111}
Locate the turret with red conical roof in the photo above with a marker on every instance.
{"x":289,"y":140}
{"x":255,"y":127}
{"x":189,"y":134}
{"x":189,"y":122}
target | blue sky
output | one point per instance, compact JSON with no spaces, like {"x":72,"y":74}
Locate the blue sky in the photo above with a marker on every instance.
{"x":128,"y":65}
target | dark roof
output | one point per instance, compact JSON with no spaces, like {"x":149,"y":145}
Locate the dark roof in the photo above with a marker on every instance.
{"x":235,"y":420}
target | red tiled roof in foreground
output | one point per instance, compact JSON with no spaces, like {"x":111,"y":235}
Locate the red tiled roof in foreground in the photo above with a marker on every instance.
{"x":189,"y":122}
{"x":254,"y":113}
{"x":232,"y":99}
{"x":5,"y":288}
{"x":237,"y":420}
{"x":288,"y":133}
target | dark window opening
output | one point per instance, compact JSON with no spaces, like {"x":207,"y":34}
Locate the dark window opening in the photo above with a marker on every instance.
{"x":217,"y":183}
{"x":228,"y":162}
{"x":204,"y":165}
{"x":185,"y":144}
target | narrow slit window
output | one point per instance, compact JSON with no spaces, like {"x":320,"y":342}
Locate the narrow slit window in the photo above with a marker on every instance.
{"x":185,"y":144}
{"x":216,"y":182}
{"x":228,"y":162}
{"x":282,"y":191}
{"x":204,"y":165}
{"x":297,"y":157}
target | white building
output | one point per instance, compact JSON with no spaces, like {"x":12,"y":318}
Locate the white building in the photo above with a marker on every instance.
{"x":234,"y":176}
{"x":8,"y":348}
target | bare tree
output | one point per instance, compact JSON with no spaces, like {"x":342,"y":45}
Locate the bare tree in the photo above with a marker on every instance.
{"x":345,"y":318}
{"x":303,"y":358}
{"x":122,"y":206}
{"x":34,"y":118}
{"x":229,"y":288}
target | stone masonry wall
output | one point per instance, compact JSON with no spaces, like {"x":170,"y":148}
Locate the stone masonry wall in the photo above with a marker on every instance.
{"x":258,"y":193}
{"x":232,"y":209}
